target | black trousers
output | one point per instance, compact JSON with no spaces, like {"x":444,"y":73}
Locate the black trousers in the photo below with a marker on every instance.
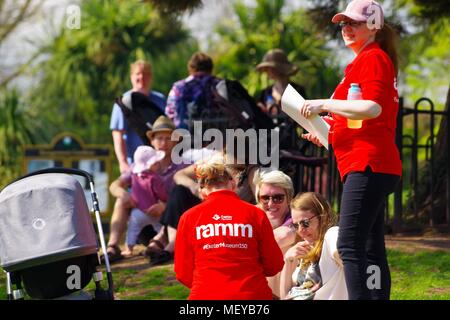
{"x":180,"y":200}
{"x":361,"y":234}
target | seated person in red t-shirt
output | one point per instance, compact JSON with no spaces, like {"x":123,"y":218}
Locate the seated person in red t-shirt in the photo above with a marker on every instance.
{"x":225,"y":247}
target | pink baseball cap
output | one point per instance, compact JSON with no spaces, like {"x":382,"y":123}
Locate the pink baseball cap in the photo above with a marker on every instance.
{"x":362,"y":11}
{"x":145,"y":157}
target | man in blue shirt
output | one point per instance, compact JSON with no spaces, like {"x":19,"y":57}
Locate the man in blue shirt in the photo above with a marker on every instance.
{"x":125,"y":139}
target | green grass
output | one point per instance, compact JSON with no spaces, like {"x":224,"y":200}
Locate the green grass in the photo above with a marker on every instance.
{"x":129,"y":284}
{"x":423,"y":275}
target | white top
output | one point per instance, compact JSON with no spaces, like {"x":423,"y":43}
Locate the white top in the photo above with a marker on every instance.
{"x":331,"y":271}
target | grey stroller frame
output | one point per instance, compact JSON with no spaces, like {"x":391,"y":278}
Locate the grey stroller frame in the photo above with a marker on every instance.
{"x":34,"y":271}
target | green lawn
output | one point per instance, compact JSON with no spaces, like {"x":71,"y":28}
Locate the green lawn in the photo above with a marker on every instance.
{"x":423,"y":275}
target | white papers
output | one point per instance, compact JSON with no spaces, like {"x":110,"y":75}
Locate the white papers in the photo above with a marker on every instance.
{"x":291,"y":102}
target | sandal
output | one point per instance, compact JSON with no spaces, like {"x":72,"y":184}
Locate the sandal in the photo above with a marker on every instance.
{"x":152,"y":251}
{"x":114,"y":255}
{"x":163,"y":257}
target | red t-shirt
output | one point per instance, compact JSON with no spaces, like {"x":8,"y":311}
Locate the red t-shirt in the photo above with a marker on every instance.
{"x":225,"y":249}
{"x":374,"y":144}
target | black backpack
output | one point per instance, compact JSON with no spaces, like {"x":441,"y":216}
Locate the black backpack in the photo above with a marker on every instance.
{"x":223,"y":104}
{"x":139,"y":112}
{"x":239,"y":107}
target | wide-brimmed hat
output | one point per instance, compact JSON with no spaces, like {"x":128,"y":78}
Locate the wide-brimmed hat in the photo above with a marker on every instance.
{"x":144,"y":157}
{"x":362,"y":11}
{"x":277,"y":59}
{"x":162,"y":124}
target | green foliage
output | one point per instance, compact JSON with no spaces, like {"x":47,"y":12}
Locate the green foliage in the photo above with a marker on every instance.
{"x":88,"y":67}
{"x":427,"y":62}
{"x":242,"y":45}
{"x":176,"y":5}
{"x":14,"y":134}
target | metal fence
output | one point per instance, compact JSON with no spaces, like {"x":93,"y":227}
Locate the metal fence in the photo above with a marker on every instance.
{"x":314,"y":169}
{"x":410,"y":145}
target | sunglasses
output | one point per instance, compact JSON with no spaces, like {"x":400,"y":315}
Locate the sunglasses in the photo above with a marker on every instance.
{"x":353,"y":24}
{"x":305,"y":223}
{"x":276,"y":198}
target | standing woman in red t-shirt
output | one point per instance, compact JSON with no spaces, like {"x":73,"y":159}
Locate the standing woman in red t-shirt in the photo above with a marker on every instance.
{"x":367,"y":157}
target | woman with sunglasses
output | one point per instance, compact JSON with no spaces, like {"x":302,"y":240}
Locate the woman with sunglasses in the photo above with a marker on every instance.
{"x":274,"y":192}
{"x":367,"y":156}
{"x":225,"y":247}
{"x":313,"y":268}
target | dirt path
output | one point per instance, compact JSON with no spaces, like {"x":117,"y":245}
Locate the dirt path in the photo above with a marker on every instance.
{"x":414,"y":243}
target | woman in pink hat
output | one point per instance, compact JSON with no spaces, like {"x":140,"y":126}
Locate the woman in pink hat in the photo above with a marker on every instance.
{"x":367,"y":156}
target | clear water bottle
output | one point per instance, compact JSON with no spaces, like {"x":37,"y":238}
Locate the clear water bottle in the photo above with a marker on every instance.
{"x":354,"y":93}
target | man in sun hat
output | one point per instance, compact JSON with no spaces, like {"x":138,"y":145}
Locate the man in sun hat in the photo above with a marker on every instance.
{"x":160,"y":138}
{"x":276,"y":65}
{"x":277,"y":60}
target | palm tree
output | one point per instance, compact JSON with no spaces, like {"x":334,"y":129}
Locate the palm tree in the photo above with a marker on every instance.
{"x":89,"y":67}
{"x":242,"y":44}
{"x":14,"y":134}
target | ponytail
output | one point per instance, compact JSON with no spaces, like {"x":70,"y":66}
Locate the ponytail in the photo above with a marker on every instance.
{"x":387,"y":39}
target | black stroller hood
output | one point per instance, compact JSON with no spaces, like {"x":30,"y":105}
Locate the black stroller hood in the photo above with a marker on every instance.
{"x":43,"y":219}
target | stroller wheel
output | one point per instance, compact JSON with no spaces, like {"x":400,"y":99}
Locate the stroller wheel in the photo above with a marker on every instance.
{"x":101,"y":294}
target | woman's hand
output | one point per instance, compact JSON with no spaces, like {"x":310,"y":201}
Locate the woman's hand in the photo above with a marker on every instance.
{"x":299,"y":250}
{"x":312,"y":107}
{"x":312,"y":138}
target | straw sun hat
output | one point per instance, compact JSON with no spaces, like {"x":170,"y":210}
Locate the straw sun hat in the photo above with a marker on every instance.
{"x":162,"y":124}
{"x":277,"y":59}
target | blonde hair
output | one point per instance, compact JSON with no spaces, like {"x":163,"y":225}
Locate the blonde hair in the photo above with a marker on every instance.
{"x":275,"y":178}
{"x":212,"y":174}
{"x":141,"y":64}
{"x":318,"y":205}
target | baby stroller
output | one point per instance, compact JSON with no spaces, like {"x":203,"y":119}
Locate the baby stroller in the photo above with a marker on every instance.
{"x":48,"y":246}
